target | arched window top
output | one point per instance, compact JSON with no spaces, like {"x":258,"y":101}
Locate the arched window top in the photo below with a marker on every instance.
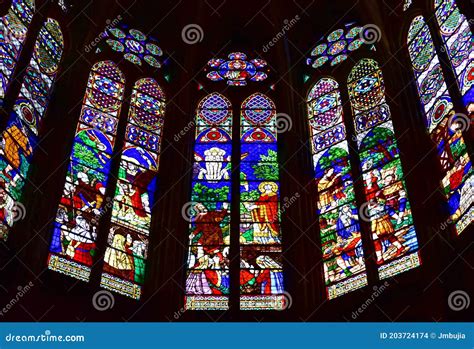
{"x":150,"y":87}
{"x":322,"y":87}
{"x":448,"y":16}
{"x":49,"y":46}
{"x":147,"y":105}
{"x":214,"y":109}
{"x":110,"y":70}
{"x":365,"y":84}
{"x":420,"y":47}
{"x":106,"y":86}
{"x":20,"y":15}
{"x":416,"y":25}
{"x":324,"y":107}
{"x":258,"y":109}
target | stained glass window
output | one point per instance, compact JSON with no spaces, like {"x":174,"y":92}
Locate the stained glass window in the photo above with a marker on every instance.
{"x":387,"y":206}
{"x":207,"y":281}
{"x":135,"y":46}
{"x":336,"y":47}
{"x":343,"y":255}
{"x":126,"y":254}
{"x":457,"y":38}
{"x":457,"y":181}
{"x":13,"y":29}
{"x":261,"y":269}
{"x":21,"y":135}
{"x":83,"y":202}
{"x":407,"y":4}
{"x":237,"y":69}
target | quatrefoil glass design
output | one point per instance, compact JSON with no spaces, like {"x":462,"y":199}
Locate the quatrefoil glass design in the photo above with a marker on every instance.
{"x":335,"y":48}
{"x":237,"y":70}
{"x":135,"y":46}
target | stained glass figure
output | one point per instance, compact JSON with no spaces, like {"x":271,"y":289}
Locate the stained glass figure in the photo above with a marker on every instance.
{"x":135,"y":46}
{"x":13,"y":30}
{"x":457,"y":38}
{"x":207,"y":280}
{"x":336,"y":47}
{"x":387,"y":206}
{"x":236,"y":70}
{"x":343,"y":255}
{"x":457,"y":181}
{"x":126,"y":254}
{"x":21,"y":135}
{"x":83,"y":202}
{"x":261,"y":269}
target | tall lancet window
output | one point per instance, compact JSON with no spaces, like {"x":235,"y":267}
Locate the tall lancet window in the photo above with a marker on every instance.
{"x":458,"y":42}
{"x":442,"y":125}
{"x":388,"y":208}
{"x":261,"y":269}
{"x":254,"y":237}
{"x":22,"y":134}
{"x":383,"y":214}
{"x":343,"y":255}
{"x":73,"y":247}
{"x":207,"y":280}
{"x":126,"y":254}
{"x":13,"y":29}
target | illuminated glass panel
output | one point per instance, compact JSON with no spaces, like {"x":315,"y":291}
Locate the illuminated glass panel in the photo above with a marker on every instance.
{"x":387,"y":207}
{"x":336,"y":47}
{"x":343,"y":255}
{"x":207,"y":280}
{"x":83,"y":202}
{"x":261,"y":269}
{"x":13,"y":30}
{"x":458,"y":41}
{"x":237,"y":69}
{"x":21,"y":135}
{"x":126,"y":254}
{"x":135,"y":46}
{"x":446,"y":133}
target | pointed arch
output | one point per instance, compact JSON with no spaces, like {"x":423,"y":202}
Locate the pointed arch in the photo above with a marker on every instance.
{"x":337,"y":209}
{"x":387,"y":207}
{"x":457,"y":38}
{"x":22,"y":133}
{"x":83,"y":202}
{"x":455,"y":163}
{"x":126,"y":253}
{"x":13,"y":30}
{"x":207,"y":278}
{"x":261,"y":272}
